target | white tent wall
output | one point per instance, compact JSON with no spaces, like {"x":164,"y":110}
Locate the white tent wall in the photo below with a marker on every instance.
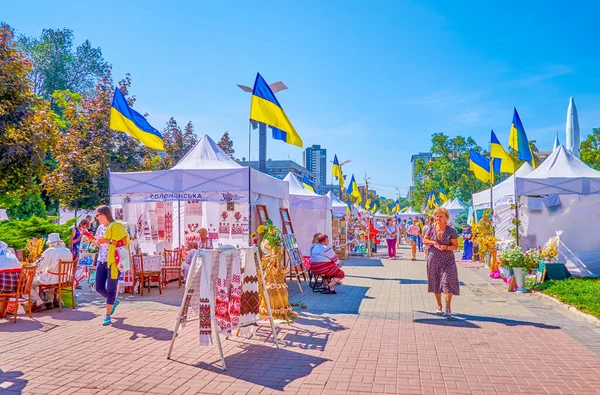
{"x":306,"y":223}
{"x":577,"y":216}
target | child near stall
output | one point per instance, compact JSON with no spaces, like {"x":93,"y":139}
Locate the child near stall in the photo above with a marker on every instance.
{"x":467,"y":235}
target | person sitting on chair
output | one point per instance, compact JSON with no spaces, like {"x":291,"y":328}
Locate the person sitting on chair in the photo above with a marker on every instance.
{"x":192,"y":248}
{"x":324,"y":262}
{"x":48,"y":264}
{"x":9,"y":274}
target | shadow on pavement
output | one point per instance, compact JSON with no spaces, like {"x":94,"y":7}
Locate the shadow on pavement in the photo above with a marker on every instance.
{"x":267,"y":366}
{"x":365,"y":262}
{"x":26,"y":325}
{"x":10,"y":383}
{"x":347,"y":300}
{"x":405,"y":281}
{"x":146,"y":331}
{"x":68,"y":314}
{"x":468,"y":321}
{"x":307,"y":339}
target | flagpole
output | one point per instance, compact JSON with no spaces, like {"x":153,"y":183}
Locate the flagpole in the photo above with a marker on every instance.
{"x":249,"y":182}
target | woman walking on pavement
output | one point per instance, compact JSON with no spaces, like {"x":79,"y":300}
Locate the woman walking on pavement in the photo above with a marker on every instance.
{"x":391,"y":236}
{"x":109,"y":236}
{"x":442,"y":274}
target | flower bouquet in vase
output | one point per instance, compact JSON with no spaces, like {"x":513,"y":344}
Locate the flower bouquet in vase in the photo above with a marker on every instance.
{"x":514,"y":258}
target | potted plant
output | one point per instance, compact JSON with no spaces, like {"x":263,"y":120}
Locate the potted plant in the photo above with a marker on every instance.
{"x":533,"y":257}
{"x":515,"y":258}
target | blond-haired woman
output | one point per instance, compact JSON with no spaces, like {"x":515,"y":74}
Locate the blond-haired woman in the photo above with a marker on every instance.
{"x":442,"y":274}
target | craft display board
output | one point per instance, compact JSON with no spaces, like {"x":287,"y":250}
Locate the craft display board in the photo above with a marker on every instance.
{"x":339,"y":237}
{"x":199,"y":276}
{"x":291,"y":246}
{"x":294,"y":256}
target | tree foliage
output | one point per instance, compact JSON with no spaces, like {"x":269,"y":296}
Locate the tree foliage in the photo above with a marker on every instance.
{"x":226,"y":144}
{"x":88,"y":149}
{"x":27,"y":125}
{"x":590,"y":149}
{"x":449,"y":169}
{"x":57,"y":65}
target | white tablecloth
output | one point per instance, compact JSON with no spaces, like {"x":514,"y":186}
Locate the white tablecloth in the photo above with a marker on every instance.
{"x":152,"y":263}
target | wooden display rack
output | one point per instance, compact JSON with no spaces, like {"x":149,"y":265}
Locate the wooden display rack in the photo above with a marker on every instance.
{"x":339,"y":237}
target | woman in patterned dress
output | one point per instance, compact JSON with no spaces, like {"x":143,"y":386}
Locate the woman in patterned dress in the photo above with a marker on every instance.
{"x":442,"y":274}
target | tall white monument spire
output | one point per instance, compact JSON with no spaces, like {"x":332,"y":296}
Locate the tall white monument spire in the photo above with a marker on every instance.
{"x":572,"y":129}
{"x":556,"y":142}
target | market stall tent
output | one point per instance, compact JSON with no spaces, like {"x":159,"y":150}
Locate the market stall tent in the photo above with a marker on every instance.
{"x":563,"y":194}
{"x":410,"y":213}
{"x":338,"y":208}
{"x":205,"y":175}
{"x":310,"y":212}
{"x":454,"y":207}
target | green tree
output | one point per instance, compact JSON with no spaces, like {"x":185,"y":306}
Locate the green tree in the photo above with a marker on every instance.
{"x":226,"y":144}
{"x":89,"y":149}
{"x":27,"y":125}
{"x":590,"y":149}
{"x":449,"y":169}
{"x":189,"y":137}
{"x":29,"y":206}
{"x":56,"y":65}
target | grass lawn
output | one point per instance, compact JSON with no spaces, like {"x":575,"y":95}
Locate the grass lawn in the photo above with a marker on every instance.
{"x":583,"y":293}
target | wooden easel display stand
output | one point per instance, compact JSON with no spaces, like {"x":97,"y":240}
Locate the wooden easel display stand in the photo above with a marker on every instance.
{"x":293,"y":254}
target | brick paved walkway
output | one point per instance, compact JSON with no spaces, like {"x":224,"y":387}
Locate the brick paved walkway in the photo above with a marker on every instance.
{"x":377,"y":335}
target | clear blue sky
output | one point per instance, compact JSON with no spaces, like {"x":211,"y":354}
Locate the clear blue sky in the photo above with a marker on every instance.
{"x":370,"y":81}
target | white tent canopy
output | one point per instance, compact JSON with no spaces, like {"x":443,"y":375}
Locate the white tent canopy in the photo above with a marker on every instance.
{"x":310,"y":212}
{"x":504,"y":193}
{"x":409,"y":213}
{"x":454,"y":207}
{"x":560,"y":173}
{"x":338,"y":208}
{"x":454,"y":204}
{"x":205,"y":174}
{"x":379,"y":214}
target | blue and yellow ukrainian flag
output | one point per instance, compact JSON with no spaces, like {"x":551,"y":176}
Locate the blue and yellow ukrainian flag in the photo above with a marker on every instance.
{"x":506,"y":164}
{"x":432,"y":201}
{"x":308,"y":184}
{"x":443,"y":196}
{"x":125,"y":119}
{"x":374,"y":207}
{"x":518,"y":139}
{"x":336,"y":170}
{"x":353,"y":190}
{"x":480,"y":166}
{"x":265,"y":108}
{"x":368,"y":204}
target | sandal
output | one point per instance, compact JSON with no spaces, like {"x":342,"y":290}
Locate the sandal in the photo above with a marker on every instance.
{"x":438,"y":310}
{"x":448,"y":313}
{"x":328,"y":291}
